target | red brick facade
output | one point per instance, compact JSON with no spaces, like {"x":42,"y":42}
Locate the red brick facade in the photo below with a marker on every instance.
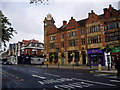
{"x":80,"y":36}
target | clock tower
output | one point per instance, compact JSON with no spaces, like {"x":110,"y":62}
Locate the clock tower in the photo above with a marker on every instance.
{"x":48,"y":23}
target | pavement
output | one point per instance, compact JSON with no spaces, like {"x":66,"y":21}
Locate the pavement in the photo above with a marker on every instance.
{"x":92,"y":69}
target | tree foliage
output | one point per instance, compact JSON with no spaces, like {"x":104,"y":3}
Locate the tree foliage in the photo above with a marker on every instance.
{"x":106,"y":49}
{"x":6,"y":29}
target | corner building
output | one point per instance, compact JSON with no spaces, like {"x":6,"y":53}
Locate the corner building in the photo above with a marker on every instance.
{"x":80,"y":41}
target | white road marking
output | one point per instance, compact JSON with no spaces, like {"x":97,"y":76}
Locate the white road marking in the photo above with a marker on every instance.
{"x":51,"y":81}
{"x":41,"y":82}
{"x":99,"y":75}
{"x":115,"y":81}
{"x":114,"y":77}
{"x":39,"y":76}
{"x":73,"y":85}
{"x":95,"y":82}
{"x":52,"y":75}
{"x":33,"y":71}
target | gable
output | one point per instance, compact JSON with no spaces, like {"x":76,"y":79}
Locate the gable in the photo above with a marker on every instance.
{"x":72,"y":24}
{"x":92,"y":17}
{"x":52,"y":30}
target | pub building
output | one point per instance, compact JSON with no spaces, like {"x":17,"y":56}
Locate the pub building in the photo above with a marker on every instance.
{"x":79,"y":42}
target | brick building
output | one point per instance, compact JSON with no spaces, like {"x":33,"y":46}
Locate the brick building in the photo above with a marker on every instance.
{"x":81,"y":41}
{"x":31,"y":47}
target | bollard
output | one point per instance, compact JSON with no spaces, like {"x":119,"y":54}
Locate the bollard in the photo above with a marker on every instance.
{"x":90,"y":66}
{"x":73,"y":65}
{"x":99,"y":67}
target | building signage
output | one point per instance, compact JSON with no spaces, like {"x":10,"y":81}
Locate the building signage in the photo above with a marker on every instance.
{"x":116,"y":49}
{"x":94,"y":51}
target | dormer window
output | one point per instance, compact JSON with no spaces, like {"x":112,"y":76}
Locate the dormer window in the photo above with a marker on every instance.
{"x":33,"y":44}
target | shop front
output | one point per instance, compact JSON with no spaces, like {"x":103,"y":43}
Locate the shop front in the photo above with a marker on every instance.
{"x":95,"y":57}
{"x":73,"y":56}
{"x":53,"y":57}
{"x":115,"y":54}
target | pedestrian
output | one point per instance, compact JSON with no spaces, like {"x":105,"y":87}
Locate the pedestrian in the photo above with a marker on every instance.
{"x":117,"y":66}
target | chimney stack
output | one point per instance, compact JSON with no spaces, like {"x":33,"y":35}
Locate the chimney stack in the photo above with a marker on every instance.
{"x":64,"y":23}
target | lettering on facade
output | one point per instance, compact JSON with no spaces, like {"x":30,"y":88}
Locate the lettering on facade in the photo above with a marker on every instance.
{"x":94,"y":51}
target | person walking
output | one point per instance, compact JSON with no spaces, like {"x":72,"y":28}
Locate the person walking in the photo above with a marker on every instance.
{"x":117,"y":66}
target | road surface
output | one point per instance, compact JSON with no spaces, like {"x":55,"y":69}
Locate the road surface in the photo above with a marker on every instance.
{"x":27,"y":76}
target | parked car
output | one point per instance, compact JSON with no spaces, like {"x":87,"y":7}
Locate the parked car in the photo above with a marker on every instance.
{"x":7,"y":63}
{"x":37,"y":60}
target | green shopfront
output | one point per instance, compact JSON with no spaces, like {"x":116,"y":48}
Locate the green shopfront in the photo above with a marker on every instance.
{"x":115,"y":54}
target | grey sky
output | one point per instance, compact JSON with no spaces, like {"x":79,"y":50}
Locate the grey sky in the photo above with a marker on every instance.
{"x":27,"y":19}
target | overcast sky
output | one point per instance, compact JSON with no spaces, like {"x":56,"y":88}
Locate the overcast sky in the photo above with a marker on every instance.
{"x":27,"y":19}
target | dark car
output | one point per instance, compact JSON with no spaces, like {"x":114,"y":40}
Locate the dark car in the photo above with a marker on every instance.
{"x":7,"y":63}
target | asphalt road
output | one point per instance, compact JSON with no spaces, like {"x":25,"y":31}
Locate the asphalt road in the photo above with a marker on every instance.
{"x":26,"y":76}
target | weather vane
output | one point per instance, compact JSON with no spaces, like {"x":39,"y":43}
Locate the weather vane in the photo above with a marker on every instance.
{"x":44,"y":2}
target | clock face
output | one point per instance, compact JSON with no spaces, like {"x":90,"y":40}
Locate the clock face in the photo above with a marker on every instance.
{"x":45,"y":24}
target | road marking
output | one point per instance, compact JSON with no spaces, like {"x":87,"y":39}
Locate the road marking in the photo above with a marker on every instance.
{"x":114,"y":77}
{"x":33,"y":71}
{"x":41,"y":82}
{"x":17,"y":77}
{"x":52,"y":74}
{"x":95,"y":82}
{"x":51,"y":81}
{"x":39,"y":76}
{"x":73,"y":85}
{"x":100,"y":75}
{"x":115,"y":81}
{"x":21,"y":80}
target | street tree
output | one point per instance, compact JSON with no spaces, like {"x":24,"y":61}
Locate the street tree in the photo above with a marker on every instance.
{"x":6,"y":29}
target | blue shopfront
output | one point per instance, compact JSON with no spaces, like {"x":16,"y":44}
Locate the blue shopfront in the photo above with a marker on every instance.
{"x":95,"y":57}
